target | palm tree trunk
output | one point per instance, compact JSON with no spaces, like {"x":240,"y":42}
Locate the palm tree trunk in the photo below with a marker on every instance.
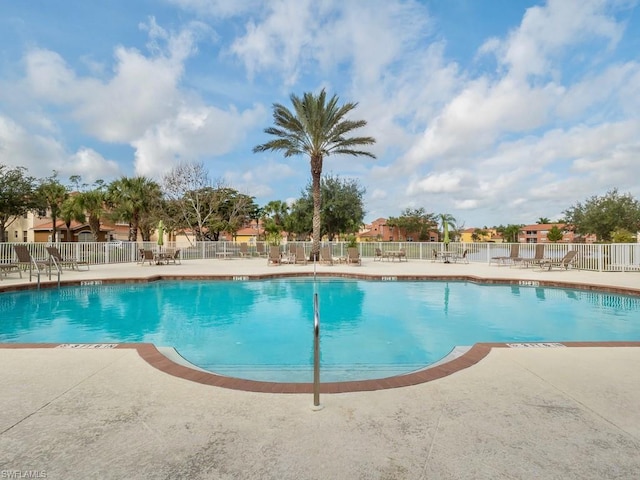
{"x":54,"y":219}
{"x":133,"y":227}
{"x":94,"y":225}
{"x":316,"y":172}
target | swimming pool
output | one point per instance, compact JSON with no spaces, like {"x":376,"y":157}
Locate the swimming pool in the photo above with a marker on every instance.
{"x":263,"y":330}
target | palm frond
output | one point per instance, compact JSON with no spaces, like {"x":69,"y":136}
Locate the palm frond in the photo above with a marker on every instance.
{"x":316,"y":126}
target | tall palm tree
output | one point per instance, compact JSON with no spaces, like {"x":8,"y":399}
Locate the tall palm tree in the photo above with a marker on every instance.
{"x":255,"y":213}
{"x":70,"y":211}
{"x":278,"y":211}
{"x":52,"y":194}
{"x":132,"y":200}
{"x":317,"y":127}
{"x":92,"y":203}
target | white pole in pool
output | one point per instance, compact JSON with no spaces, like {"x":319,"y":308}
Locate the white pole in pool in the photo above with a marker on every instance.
{"x":316,"y":354}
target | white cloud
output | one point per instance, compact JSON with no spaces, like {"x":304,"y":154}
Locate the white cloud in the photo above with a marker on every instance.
{"x":328,"y":35}
{"x":263,"y":179}
{"x":18,"y":147}
{"x":617,"y":85}
{"x":379,"y":194}
{"x":546,"y":31}
{"x":90,"y":165}
{"x":142,"y":103}
{"x":478,"y":116}
{"x":191,"y":134}
{"x":42,"y":155}
{"x":443,"y":182}
{"x":467,"y":204}
{"x":141,"y":92}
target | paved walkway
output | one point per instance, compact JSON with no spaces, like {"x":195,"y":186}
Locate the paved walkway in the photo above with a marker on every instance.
{"x":518,"y":413}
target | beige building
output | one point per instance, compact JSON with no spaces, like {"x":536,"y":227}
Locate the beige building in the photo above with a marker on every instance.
{"x":475,"y":234}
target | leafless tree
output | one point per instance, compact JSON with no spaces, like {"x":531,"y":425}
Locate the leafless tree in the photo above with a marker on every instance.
{"x":188,"y":184}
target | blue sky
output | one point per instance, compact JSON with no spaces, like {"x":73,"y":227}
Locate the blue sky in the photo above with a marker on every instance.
{"x":496,"y":111}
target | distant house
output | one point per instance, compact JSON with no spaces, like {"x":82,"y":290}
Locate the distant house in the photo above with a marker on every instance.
{"x":379,"y":231}
{"x":250,"y":233}
{"x":78,"y":232}
{"x":38,"y":227}
{"x":469,"y":235}
{"x":537,"y":233}
{"x":376,"y":231}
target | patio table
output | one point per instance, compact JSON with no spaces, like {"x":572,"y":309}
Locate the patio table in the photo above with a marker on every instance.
{"x":399,"y":254}
{"x":447,"y":256}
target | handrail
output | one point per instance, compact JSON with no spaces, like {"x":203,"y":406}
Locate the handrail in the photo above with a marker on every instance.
{"x":35,"y":264}
{"x":55,"y":262}
{"x":316,"y":352}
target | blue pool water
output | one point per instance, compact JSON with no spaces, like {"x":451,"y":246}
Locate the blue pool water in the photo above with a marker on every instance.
{"x":263,"y":330}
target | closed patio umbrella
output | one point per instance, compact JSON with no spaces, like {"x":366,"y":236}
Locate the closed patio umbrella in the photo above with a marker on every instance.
{"x":160,"y":234}
{"x":447,"y":221}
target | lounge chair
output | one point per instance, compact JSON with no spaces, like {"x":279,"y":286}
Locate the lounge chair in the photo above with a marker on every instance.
{"x":301,"y":256}
{"x":538,"y":257}
{"x":380,"y":255}
{"x":149,"y":256}
{"x":260,"y":249}
{"x":462,"y":258}
{"x":401,"y":254}
{"x":513,"y":255}
{"x":290,"y":255}
{"x":325,"y":255}
{"x":173,"y":257}
{"x":66,"y":262}
{"x":5,"y":268}
{"x":353,"y":256}
{"x":569,"y":260}
{"x":274,"y":258}
{"x":26,"y":261}
{"x":244,"y":250}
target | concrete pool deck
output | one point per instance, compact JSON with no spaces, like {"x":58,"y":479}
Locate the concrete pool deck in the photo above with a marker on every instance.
{"x":517,"y":413}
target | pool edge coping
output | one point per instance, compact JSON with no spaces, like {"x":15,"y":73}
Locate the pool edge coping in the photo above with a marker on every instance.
{"x":355,"y":275}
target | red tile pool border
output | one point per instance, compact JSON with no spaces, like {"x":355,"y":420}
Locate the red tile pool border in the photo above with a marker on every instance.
{"x":156,"y":359}
{"x":477,"y":352}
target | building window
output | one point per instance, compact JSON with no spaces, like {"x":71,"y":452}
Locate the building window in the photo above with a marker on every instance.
{"x":15,"y":234}
{"x":85,"y":237}
{"x":24,"y":236}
